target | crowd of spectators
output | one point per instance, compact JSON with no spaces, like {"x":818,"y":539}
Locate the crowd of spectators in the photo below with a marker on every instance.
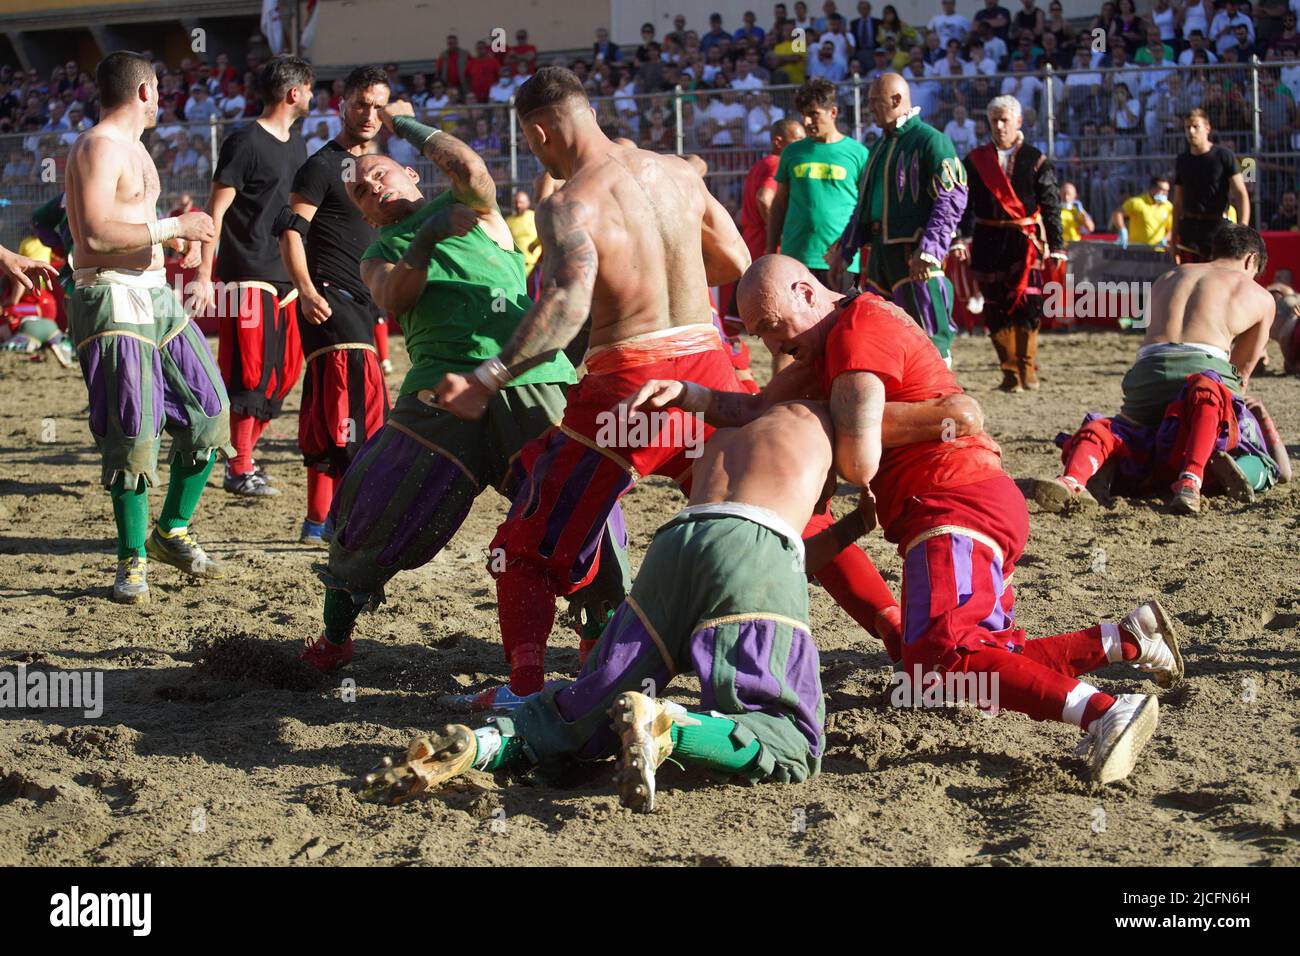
{"x":1116,"y":96}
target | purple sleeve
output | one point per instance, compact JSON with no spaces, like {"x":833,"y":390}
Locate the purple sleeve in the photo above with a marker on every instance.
{"x":945,"y":218}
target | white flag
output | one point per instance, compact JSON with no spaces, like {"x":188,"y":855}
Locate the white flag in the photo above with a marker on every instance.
{"x":309,"y":26}
{"x":272,"y":28}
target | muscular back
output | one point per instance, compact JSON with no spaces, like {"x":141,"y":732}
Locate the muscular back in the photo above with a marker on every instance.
{"x":110,"y":179}
{"x":779,"y":461}
{"x":645,"y":215}
{"x":1207,"y":303}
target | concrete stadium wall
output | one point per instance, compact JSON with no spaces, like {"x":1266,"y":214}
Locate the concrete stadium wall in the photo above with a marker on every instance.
{"x":365,"y":31}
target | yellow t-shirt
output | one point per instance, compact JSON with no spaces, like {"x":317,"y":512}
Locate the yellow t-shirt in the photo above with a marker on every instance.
{"x":524,"y":229}
{"x":1148,"y":220}
{"x":1070,"y":222}
{"x":796,"y":70}
{"x":33,"y":248}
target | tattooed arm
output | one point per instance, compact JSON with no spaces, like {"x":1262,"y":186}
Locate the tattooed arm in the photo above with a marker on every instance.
{"x":568,"y":282}
{"x":471,"y":183}
{"x":857,"y":409}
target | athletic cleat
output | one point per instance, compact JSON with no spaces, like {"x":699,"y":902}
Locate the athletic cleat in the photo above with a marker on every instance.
{"x":182,"y":551}
{"x":1059,"y":495}
{"x":1187,"y":497}
{"x":131,"y":586}
{"x":313,"y":532}
{"x":430,"y":761}
{"x":1157,"y":638}
{"x":325,"y":655}
{"x":1230,"y":478}
{"x":327,"y":529}
{"x":644,"y":726}
{"x":1117,"y":737}
{"x":263,"y":474}
{"x":250,"y":485}
{"x":494,"y":698}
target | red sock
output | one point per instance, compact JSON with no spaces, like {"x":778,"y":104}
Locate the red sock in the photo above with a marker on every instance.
{"x":856,"y":586}
{"x":1202,"y":426}
{"x":1030,"y":688}
{"x":1079,"y":652}
{"x":526,"y":611}
{"x":242,"y":437}
{"x":381,"y":340}
{"x":1089,"y":453}
{"x":320,"y":494}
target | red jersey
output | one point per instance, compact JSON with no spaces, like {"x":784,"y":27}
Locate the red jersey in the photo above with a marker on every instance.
{"x":876,"y":336}
{"x":752,"y":227}
{"x":482,"y":73}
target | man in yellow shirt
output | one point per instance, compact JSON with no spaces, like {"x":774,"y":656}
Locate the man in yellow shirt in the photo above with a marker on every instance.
{"x":1075,"y":221}
{"x":792,"y":54}
{"x":1146,"y":217}
{"x":523,"y":226}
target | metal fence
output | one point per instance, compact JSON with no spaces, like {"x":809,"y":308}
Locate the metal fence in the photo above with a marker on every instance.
{"x":1108,"y":130}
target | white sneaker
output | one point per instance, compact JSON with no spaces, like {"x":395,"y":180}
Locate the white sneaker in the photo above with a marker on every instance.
{"x":644,"y":726}
{"x":1117,"y":737}
{"x":1157,"y":641}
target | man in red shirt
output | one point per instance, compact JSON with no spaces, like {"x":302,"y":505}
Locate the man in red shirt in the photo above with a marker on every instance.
{"x":760,"y":187}
{"x":452,"y":65}
{"x":482,"y":71}
{"x":523,"y":54}
{"x":957,"y":518}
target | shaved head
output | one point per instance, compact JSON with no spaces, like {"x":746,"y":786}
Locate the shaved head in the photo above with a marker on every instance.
{"x":384,"y":190}
{"x":888,"y":99}
{"x":782,"y":303}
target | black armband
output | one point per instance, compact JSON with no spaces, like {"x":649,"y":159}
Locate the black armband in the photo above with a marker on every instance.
{"x":288,"y":219}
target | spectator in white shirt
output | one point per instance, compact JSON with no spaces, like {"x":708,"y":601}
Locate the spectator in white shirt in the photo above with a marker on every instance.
{"x":728,"y":115}
{"x":926,"y":92}
{"x":233,"y":103}
{"x":1223,"y":27}
{"x":950,"y":25}
{"x":841,"y":39}
{"x":961,"y":130}
{"x":952,"y":64}
{"x":745,"y":78}
{"x":320,"y":135}
{"x":1024,"y":86}
{"x":1196,"y":41}
{"x":504,"y":87}
{"x":980,"y":59}
{"x":758,"y":127}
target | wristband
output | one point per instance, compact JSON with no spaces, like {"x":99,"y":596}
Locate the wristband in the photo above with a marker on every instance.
{"x":493,"y":374}
{"x":414,"y":132}
{"x":163,"y":230}
{"x":695,"y":398}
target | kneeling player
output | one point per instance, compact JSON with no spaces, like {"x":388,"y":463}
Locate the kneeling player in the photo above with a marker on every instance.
{"x":722,"y":593}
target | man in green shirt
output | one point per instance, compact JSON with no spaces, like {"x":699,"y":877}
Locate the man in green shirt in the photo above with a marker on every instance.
{"x":448,"y":269}
{"x":816,"y":185}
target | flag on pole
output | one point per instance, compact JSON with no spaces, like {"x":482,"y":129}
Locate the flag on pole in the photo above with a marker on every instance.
{"x":309,"y":23}
{"x":272,"y":27}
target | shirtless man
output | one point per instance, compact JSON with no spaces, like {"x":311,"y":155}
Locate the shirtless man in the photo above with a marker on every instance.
{"x":147,"y":367}
{"x":958,"y":521}
{"x":722,"y":593}
{"x":1209,"y":322}
{"x":635,"y":240}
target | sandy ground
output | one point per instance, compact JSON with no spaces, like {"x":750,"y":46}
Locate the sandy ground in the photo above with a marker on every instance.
{"x":243,"y":762}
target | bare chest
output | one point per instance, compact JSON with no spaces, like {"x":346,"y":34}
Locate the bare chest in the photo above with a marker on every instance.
{"x":139,"y":185}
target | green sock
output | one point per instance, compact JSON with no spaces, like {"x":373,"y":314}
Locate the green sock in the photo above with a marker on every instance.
{"x":131,"y":513}
{"x":183,"y":490}
{"x":510,"y":750}
{"x":709,"y":745}
{"x":340,"y":615}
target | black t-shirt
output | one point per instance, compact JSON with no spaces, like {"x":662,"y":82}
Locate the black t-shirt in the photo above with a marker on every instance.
{"x":990,"y":13}
{"x":1205,"y":180}
{"x":338,"y":235}
{"x":260,"y":168}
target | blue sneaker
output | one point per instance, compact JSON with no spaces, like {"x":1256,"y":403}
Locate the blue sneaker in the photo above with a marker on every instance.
{"x":327,"y":529}
{"x":313,"y":532}
{"x":494,"y":698}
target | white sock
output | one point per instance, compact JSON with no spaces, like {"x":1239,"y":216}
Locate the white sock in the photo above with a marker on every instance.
{"x":1076,"y":702}
{"x":1110,"y":643}
{"x":489,"y":743}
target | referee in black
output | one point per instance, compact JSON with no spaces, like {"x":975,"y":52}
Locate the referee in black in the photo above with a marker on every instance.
{"x":322,"y":238}
{"x":1206,"y":178}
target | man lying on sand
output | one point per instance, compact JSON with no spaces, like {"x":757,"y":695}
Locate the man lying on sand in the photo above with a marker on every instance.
{"x":1185,"y":422}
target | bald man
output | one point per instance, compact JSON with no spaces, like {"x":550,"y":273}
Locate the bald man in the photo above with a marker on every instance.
{"x":957,"y":518}
{"x":449,"y":270}
{"x":910,"y":206}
